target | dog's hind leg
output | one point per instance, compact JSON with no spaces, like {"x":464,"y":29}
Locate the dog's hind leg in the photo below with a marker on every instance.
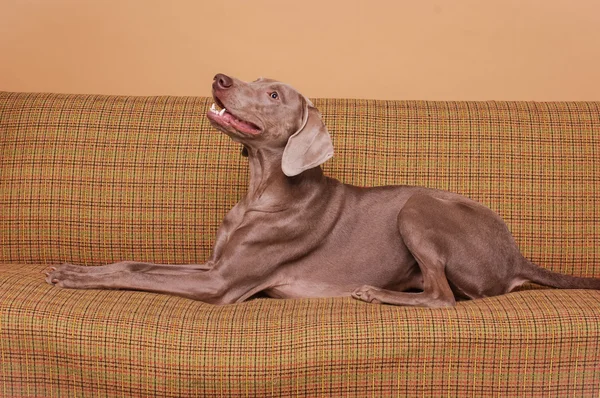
{"x":428,"y":249}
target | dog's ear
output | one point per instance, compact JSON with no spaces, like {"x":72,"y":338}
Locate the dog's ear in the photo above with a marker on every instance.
{"x":308,"y":147}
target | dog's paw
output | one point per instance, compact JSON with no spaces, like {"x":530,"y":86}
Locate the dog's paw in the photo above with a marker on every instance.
{"x":61,"y":275}
{"x":367,"y":294}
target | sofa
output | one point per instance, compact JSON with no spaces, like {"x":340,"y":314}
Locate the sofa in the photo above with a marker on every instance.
{"x":92,"y":179}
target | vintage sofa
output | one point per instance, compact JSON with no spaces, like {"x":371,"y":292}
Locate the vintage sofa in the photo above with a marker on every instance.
{"x":96,"y":179}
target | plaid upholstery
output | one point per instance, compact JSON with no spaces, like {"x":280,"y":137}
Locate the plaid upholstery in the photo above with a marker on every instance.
{"x":117,"y":343}
{"x":97,"y":179}
{"x":93,"y":180}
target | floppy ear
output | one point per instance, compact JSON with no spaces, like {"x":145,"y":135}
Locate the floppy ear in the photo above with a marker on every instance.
{"x":308,"y":147}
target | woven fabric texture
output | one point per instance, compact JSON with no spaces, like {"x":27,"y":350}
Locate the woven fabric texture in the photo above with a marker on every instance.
{"x":93,"y":180}
{"x":97,"y":179}
{"x":91,"y":343}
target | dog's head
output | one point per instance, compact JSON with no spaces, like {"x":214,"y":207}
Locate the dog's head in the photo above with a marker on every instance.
{"x":267,"y":114}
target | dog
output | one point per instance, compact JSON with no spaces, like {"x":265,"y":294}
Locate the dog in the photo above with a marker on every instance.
{"x":298,"y":233}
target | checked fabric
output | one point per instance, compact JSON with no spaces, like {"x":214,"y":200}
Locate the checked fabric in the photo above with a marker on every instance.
{"x":96,"y":179}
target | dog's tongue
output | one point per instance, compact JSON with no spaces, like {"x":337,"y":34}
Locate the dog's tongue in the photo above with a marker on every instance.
{"x":226,"y":117}
{"x":239,"y":124}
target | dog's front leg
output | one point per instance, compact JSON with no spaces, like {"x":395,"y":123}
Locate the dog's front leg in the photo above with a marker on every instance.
{"x":133,"y":266}
{"x":248,"y":257}
{"x":197,"y":282}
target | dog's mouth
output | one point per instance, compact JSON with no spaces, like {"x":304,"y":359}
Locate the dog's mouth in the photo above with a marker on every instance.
{"x":225,"y":118}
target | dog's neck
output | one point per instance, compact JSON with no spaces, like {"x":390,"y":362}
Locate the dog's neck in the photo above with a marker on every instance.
{"x":270,"y":186}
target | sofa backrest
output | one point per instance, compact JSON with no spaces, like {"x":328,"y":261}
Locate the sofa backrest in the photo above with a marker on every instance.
{"x":97,"y":179}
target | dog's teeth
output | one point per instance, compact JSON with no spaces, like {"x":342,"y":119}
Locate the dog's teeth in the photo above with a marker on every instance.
{"x":212,"y":107}
{"x":222,"y":111}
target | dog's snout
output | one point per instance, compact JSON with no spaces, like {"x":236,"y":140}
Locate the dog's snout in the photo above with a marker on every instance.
{"x":223,"y":81}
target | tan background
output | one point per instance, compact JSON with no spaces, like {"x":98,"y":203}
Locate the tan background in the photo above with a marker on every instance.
{"x":387,"y":49}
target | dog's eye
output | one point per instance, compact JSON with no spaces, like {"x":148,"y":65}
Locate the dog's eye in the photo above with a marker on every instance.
{"x":274,"y":95}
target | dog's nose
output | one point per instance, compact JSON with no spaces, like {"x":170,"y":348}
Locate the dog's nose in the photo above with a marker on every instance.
{"x":223,"y":81}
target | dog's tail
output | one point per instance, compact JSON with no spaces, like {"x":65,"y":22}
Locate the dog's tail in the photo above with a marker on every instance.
{"x":542,"y":276}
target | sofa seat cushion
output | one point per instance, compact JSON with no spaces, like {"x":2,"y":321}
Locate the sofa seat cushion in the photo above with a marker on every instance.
{"x":58,"y":342}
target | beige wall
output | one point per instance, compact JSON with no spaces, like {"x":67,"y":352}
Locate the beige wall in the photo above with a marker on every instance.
{"x":388,"y":49}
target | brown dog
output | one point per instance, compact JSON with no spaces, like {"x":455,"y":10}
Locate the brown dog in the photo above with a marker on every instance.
{"x":298,"y":233}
